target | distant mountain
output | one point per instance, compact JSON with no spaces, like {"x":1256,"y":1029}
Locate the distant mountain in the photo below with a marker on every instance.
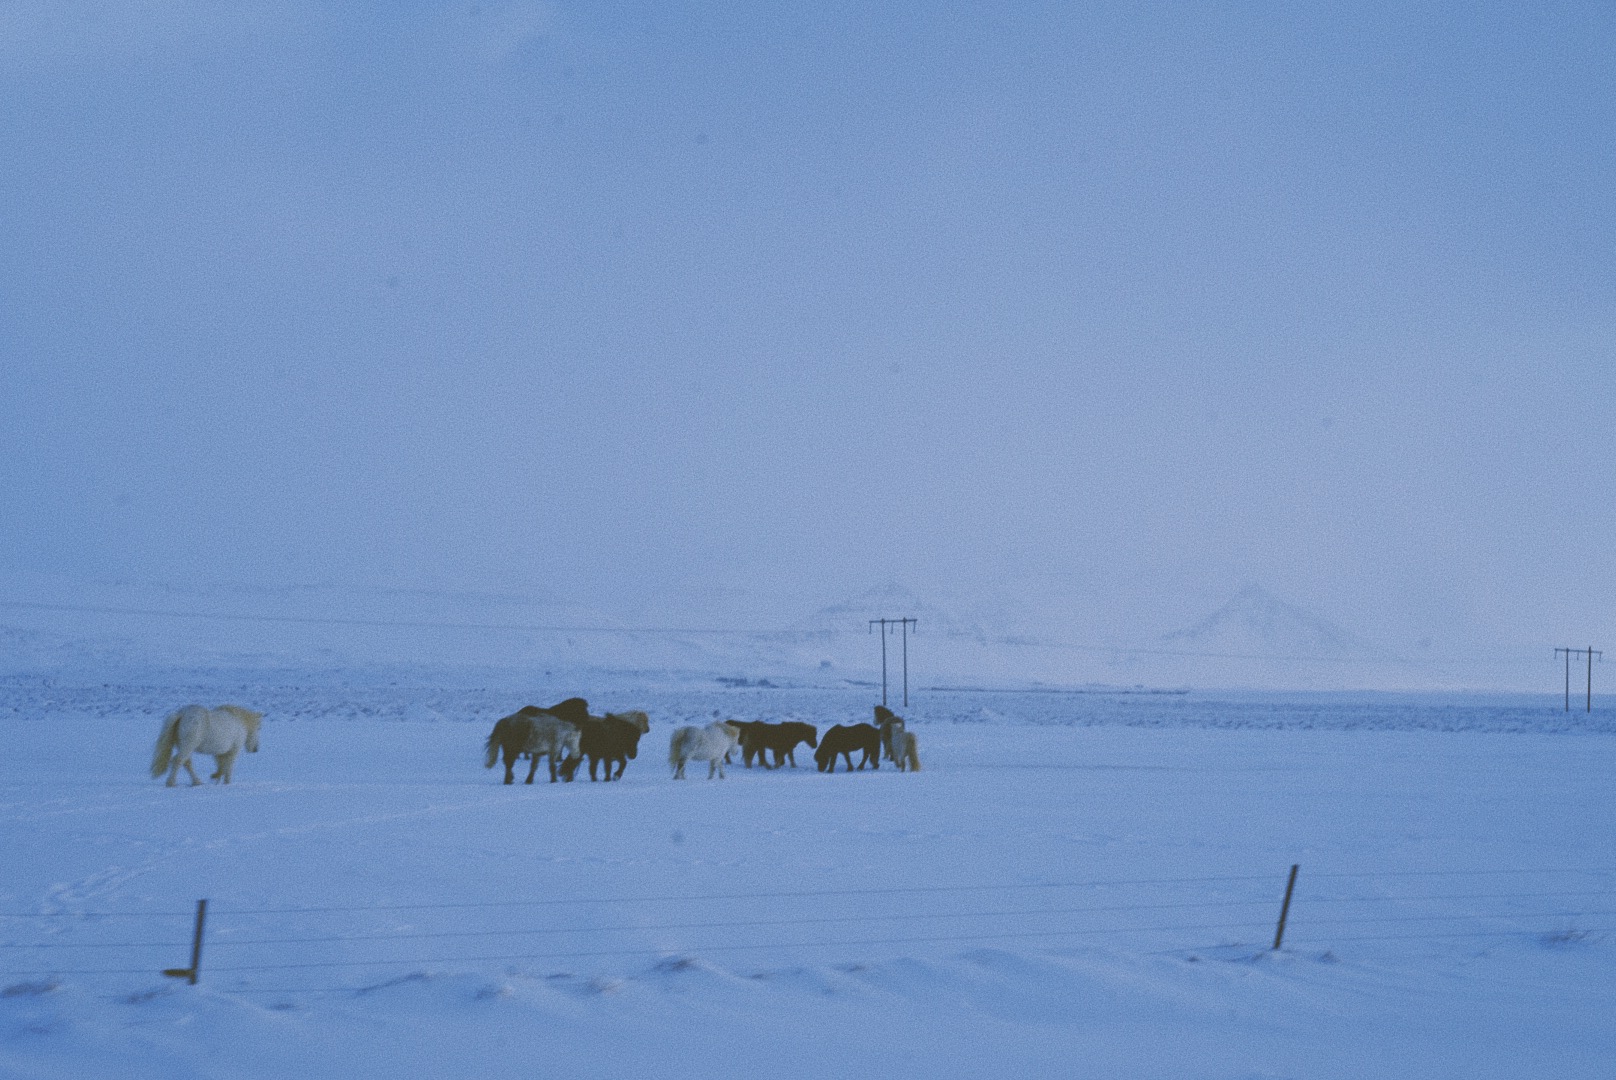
{"x":1255,"y":624}
{"x":98,"y":633}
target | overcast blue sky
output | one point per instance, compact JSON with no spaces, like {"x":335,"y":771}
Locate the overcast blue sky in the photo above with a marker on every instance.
{"x":1108,"y":308}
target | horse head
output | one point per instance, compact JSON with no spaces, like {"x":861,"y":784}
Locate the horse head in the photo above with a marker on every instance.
{"x":631,"y":745}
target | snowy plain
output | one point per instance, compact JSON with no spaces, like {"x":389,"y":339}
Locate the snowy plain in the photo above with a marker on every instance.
{"x":1075,"y":885}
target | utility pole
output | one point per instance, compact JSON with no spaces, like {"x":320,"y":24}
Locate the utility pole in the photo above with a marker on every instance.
{"x":904,"y":625}
{"x":1590,"y":652}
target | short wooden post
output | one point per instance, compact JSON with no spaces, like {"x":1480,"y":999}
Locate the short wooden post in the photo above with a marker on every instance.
{"x":189,"y":974}
{"x":1285,"y":908}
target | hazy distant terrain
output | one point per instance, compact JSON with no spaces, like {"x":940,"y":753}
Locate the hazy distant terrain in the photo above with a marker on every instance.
{"x":1255,"y":641}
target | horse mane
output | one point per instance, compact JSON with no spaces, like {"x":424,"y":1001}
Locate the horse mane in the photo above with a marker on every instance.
{"x":248,"y":718}
{"x":635,"y":717}
{"x":572,"y":710}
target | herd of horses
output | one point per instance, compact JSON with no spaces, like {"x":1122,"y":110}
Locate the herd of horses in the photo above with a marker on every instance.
{"x":565,"y":734}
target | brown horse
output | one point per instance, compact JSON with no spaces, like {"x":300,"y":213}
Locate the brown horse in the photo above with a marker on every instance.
{"x":843,"y":740}
{"x":537,"y":734}
{"x":614,"y":739}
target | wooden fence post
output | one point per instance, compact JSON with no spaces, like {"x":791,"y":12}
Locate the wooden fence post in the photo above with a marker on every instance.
{"x":189,"y":974}
{"x":1285,"y":908}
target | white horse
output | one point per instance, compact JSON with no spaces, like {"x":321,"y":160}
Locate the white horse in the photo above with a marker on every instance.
{"x":536,"y":733}
{"x":892,"y":736}
{"x":906,"y":751}
{"x":221,"y":732}
{"x":708,"y":744}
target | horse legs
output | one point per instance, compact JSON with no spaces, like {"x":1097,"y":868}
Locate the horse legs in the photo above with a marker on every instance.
{"x":622,"y":763}
{"x":510,"y":764}
{"x":196,"y":781}
{"x":226,"y":763}
{"x":532,"y":768}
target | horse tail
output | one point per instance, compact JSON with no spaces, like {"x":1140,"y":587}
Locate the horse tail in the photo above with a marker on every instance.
{"x":492,"y":745}
{"x":166,"y":740}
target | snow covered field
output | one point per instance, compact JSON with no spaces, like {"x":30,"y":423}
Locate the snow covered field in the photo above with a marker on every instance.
{"x":1075,"y":885}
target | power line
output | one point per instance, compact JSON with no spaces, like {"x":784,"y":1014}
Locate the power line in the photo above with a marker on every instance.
{"x":221,"y":942}
{"x":696,"y":631}
{"x":660,"y":951}
{"x":1461,"y":873}
{"x":885,"y":891}
{"x":863,"y":917}
{"x":928,"y":939}
{"x":95,"y":914}
{"x":799,"y":894}
{"x":1455,"y":935}
{"x":412,"y":624}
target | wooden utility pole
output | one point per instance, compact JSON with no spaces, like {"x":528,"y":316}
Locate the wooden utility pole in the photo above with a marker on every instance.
{"x":1590,"y":652}
{"x":904,"y":625}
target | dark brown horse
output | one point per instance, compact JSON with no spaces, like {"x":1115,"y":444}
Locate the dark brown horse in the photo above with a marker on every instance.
{"x":842,"y":740}
{"x":613,"y":739}
{"x":758,"y":738}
